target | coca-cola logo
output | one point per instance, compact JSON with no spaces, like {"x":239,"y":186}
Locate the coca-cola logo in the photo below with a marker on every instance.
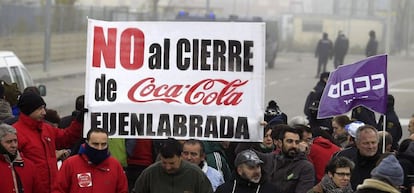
{"x":206,"y":92}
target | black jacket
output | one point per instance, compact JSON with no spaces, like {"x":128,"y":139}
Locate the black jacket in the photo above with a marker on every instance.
{"x":406,"y":160}
{"x":245,"y":186}
{"x":372,"y":47}
{"x":363,"y":165}
{"x":289,"y":175}
{"x":341,"y":46}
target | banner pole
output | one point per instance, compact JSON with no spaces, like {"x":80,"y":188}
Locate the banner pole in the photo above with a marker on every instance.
{"x":384,"y":123}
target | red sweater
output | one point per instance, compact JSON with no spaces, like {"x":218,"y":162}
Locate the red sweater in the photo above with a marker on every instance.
{"x":39,"y":140}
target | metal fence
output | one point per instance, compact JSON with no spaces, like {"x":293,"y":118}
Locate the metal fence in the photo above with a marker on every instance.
{"x":27,"y":19}
{"x":22,"y":29}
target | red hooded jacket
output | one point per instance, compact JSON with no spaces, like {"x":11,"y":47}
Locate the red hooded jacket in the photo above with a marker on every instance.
{"x":320,"y":153}
{"x":38,"y":141}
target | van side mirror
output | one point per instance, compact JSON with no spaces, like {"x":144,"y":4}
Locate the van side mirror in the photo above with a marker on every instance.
{"x":42,"y":90}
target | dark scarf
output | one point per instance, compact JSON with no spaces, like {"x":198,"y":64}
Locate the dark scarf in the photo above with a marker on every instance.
{"x":94,"y":155}
{"x":329,"y":186}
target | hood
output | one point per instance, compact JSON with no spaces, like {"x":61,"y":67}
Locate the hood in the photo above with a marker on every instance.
{"x":212,"y":146}
{"x":408,"y":153}
{"x":325,"y":143}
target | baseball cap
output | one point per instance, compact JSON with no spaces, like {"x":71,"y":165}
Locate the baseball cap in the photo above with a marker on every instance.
{"x":248,"y":157}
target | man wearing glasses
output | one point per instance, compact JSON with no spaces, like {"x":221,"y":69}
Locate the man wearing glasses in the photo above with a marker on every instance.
{"x":337,"y":177}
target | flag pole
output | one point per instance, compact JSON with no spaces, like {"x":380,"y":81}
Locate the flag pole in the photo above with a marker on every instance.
{"x":384,"y":122}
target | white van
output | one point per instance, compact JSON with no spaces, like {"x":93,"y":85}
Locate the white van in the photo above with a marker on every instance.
{"x":13,"y":70}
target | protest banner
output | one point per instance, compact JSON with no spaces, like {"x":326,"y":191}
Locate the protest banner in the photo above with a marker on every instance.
{"x":184,"y":80}
{"x":363,"y":83}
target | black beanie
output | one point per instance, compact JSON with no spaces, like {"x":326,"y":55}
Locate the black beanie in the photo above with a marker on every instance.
{"x":29,"y":102}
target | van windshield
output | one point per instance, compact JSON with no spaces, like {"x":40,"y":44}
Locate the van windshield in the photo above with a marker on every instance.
{"x":5,"y":75}
{"x":17,"y":77}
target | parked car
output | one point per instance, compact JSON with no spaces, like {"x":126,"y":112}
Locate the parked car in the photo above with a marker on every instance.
{"x":12,"y":70}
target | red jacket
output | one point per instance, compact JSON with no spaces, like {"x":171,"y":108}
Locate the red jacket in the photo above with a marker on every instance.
{"x":141,"y":153}
{"x":320,"y":153}
{"x":38,"y":141}
{"x":24,"y":169}
{"x":77,"y":175}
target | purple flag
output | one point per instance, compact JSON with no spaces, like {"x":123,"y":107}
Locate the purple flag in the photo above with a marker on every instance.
{"x":362,"y":83}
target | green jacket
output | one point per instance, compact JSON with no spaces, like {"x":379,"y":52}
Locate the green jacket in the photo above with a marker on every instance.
{"x":217,"y":159}
{"x":117,"y":149}
{"x":188,"y":178}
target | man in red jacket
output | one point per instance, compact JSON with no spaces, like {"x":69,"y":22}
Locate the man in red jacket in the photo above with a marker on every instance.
{"x":38,"y":140}
{"x":93,"y":170}
{"x":17,"y":173}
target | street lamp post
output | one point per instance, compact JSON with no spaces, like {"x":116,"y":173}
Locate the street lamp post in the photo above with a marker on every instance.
{"x":46,"y":54}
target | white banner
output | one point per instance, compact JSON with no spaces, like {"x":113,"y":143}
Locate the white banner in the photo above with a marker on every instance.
{"x":201,"y":80}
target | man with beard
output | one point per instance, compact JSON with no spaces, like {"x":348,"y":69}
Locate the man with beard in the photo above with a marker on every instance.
{"x":248,"y":176}
{"x":289,"y":171}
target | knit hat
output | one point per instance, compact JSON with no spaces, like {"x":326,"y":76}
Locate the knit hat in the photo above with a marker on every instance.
{"x":248,"y":157}
{"x":390,"y":169}
{"x":29,"y":102}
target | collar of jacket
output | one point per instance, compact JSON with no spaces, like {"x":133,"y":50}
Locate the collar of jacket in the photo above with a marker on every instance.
{"x":102,"y":166}
{"x":204,"y":166}
{"x":377,"y":185}
{"x":246,"y":183}
{"x":364,"y":160}
{"x":31,"y":123}
{"x":18,"y":161}
{"x":297,"y":157}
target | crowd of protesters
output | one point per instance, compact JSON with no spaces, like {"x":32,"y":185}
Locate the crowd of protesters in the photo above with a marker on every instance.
{"x":44,"y":153}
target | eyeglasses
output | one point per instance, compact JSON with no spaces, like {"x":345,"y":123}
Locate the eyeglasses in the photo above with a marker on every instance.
{"x":341,"y":174}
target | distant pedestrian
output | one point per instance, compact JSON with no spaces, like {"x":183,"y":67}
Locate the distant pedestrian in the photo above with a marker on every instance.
{"x":323,"y":52}
{"x":372,"y":45}
{"x":340,"y":49}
